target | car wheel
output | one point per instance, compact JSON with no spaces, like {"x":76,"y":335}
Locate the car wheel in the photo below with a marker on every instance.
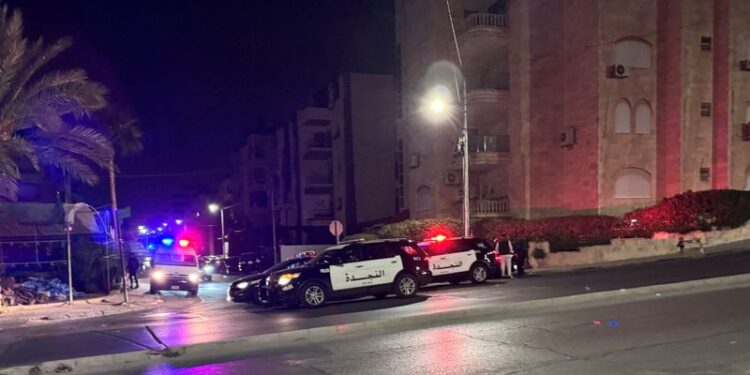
{"x":406,"y":285}
{"x":193,"y":292}
{"x":312,"y":295}
{"x":380,"y":295}
{"x":478,"y":273}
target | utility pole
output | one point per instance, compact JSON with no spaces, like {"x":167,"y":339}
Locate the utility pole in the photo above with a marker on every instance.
{"x":118,"y":237}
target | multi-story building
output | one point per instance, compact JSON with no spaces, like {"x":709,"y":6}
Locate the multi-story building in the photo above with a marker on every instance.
{"x":364,"y":137}
{"x":592,"y":106}
{"x":335,"y":159}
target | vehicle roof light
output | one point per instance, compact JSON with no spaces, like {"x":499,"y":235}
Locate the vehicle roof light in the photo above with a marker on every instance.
{"x":167,"y":241}
{"x":439,"y":238}
{"x":184,"y":242}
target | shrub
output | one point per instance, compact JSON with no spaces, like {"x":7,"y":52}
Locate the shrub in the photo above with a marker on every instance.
{"x":363,"y":236}
{"x":421,"y":229}
{"x":691,"y":211}
{"x":538,"y":253}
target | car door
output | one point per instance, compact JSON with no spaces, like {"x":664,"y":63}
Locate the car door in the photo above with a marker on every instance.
{"x":451,"y":256}
{"x":382,"y":263}
{"x":347,"y":271}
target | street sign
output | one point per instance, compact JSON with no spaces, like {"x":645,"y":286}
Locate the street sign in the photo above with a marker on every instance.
{"x":336,"y":229}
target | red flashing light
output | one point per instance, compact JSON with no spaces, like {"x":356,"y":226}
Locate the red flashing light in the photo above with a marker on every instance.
{"x":439,"y":238}
{"x":184,"y":242}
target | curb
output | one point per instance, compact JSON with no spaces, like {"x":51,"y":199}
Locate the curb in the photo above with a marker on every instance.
{"x":248,"y":344}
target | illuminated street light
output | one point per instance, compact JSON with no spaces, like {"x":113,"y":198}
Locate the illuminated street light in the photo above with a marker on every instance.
{"x":142,"y":229}
{"x":178,"y":221}
{"x":438,"y":104}
{"x":213,"y":207}
{"x":164,"y":224}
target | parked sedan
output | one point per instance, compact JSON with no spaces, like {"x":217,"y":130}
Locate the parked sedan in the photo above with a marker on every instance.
{"x":245,"y":289}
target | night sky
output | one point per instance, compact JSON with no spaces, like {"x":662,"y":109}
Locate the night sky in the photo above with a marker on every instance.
{"x":201,"y":75}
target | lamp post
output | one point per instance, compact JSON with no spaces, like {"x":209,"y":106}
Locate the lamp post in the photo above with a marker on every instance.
{"x":213,"y":208}
{"x":439,"y":105}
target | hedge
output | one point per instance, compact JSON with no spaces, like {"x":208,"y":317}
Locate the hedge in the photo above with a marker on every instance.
{"x":682,"y":213}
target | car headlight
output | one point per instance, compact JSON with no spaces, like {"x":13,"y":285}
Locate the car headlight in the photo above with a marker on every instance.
{"x":287,"y":278}
{"x":158,"y":276}
{"x":208,"y":269}
{"x":194,"y":278}
{"x":242,"y":285}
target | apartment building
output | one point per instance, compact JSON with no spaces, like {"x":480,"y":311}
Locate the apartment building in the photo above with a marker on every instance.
{"x":577,"y":107}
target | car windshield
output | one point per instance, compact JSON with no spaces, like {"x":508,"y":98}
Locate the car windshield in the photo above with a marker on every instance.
{"x":287,"y":264}
{"x":324,"y":256}
{"x":174,"y":259}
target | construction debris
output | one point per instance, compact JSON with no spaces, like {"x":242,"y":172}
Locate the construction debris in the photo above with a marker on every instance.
{"x":34,"y":290}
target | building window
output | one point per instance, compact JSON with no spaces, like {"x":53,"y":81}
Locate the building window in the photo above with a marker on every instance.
{"x":705,"y":109}
{"x":705,"y":43}
{"x":425,"y":200}
{"x":705,"y":174}
{"x":633,"y":183}
{"x":258,"y":199}
{"x":633,"y":53}
{"x":622,"y":117}
{"x":643,"y":118}
{"x":259,"y":176}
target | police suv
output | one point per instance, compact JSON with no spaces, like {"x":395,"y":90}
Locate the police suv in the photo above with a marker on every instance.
{"x":351,"y":270}
{"x":457,"y":259}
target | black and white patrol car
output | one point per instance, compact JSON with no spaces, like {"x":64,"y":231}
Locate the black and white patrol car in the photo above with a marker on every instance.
{"x":352,"y":270}
{"x":458,"y":259}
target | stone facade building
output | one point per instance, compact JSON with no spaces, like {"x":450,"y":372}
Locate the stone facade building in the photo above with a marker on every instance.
{"x":576,"y":106}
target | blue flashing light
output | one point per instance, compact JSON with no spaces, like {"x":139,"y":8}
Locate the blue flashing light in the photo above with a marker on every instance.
{"x":151,"y":246}
{"x":167,"y":241}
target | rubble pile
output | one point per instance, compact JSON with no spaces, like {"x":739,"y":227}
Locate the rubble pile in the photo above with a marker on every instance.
{"x":34,"y":290}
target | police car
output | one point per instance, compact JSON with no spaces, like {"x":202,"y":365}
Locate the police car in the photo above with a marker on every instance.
{"x":351,"y":270}
{"x":460,"y":258}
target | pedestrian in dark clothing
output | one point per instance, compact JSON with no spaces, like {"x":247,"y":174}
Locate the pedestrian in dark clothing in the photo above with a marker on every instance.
{"x":133,"y":266}
{"x":521,"y":249}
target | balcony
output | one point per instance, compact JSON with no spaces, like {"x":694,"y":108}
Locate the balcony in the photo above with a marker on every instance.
{"x":314,"y":116}
{"x":320,"y":215}
{"x":484,"y":40}
{"x":319,"y":180}
{"x":485,"y":151}
{"x":487,"y":87}
{"x":490,"y":207}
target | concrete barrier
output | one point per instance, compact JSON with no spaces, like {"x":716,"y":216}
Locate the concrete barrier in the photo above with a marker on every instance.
{"x":245,"y":345}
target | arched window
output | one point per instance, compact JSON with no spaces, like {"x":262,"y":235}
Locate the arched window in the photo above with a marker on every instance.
{"x":643,"y":118}
{"x":633,"y":53}
{"x":425,"y":200}
{"x":633,"y":183}
{"x":622,"y":116}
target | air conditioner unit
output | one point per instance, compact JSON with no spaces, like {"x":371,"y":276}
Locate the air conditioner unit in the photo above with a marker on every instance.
{"x":452,"y":178}
{"x":745,"y":129}
{"x":568,"y":137}
{"x":618,"y":71}
{"x":745,"y":65}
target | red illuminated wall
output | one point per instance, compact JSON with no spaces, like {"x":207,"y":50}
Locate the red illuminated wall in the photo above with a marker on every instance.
{"x":563,"y":93}
{"x":721,"y":95}
{"x":669,"y":92}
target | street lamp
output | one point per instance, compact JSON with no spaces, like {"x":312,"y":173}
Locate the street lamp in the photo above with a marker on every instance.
{"x":438,"y":105}
{"x":213,"y":208}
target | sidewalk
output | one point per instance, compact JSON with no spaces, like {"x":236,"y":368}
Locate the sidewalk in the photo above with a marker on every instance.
{"x":690,"y":252}
{"x":15,"y":316}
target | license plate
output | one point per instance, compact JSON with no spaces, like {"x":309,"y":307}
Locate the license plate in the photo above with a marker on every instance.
{"x":175,"y":287}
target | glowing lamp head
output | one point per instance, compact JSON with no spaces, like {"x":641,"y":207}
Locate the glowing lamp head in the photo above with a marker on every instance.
{"x":437,"y":105}
{"x":167,"y":241}
{"x":178,"y":221}
{"x":184,"y":242}
{"x":213,"y":207}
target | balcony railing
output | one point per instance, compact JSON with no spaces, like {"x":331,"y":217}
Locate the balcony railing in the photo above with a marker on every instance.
{"x":320,"y":213}
{"x":490,"y":207}
{"x":319,"y":179}
{"x":489,"y":143}
{"x":487,"y":20}
{"x":488,"y":81}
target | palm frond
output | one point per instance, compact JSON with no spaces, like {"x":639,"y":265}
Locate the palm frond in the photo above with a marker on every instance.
{"x":68,"y":163}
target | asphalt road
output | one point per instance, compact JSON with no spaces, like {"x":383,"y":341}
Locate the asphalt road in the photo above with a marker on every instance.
{"x":693,"y":334}
{"x":211,"y":318}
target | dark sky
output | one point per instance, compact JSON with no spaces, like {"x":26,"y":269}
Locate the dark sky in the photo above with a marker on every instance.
{"x":199,"y":74}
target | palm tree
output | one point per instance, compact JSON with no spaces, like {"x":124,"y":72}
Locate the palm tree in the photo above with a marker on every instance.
{"x":41,"y":114}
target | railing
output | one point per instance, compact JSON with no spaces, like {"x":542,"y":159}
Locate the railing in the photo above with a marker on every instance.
{"x":319,"y":179}
{"x":490,"y":207}
{"x":487,"y":20}
{"x":488,"y":80}
{"x":489,"y":143}
{"x":321,"y":214}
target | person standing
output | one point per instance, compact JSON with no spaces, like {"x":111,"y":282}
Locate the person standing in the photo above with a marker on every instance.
{"x":133,"y":266}
{"x":505,"y":248}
